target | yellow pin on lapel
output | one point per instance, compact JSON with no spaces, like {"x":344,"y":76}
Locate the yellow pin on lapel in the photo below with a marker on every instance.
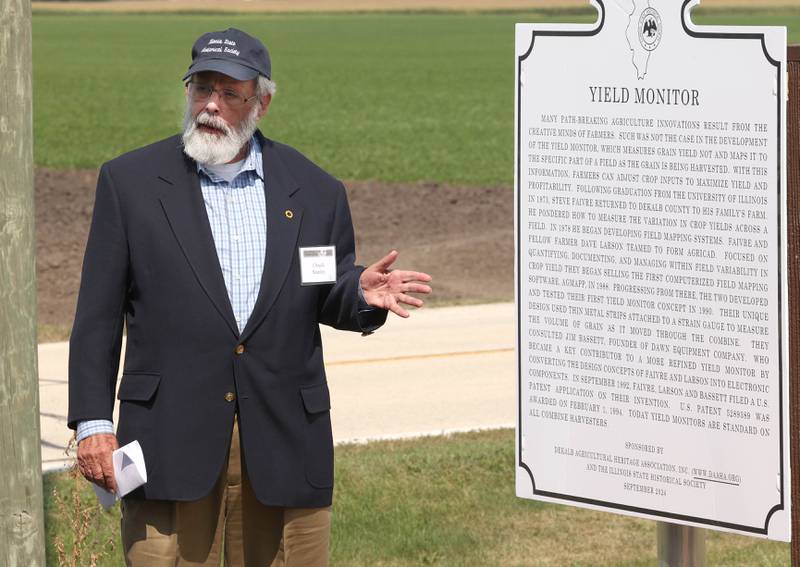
{"x":289,"y":214}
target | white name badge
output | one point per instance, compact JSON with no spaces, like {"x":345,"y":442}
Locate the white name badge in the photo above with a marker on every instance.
{"x":317,"y":265}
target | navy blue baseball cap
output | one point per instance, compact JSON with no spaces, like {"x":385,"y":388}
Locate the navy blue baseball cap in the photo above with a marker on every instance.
{"x":230,"y":52}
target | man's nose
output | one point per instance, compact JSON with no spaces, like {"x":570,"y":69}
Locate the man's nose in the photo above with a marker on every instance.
{"x":211,"y":106}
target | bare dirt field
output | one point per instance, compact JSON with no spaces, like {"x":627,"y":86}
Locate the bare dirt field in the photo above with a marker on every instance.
{"x":348,"y":5}
{"x":462,"y":236}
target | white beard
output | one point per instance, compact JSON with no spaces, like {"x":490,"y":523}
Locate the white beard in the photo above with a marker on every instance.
{"x":215,"y":149}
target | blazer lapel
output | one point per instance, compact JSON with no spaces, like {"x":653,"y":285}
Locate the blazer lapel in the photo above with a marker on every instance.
{"x":182,"y":201}
{"x":284,"y":216}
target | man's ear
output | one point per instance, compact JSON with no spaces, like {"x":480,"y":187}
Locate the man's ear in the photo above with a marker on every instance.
{"x":265,"y":100}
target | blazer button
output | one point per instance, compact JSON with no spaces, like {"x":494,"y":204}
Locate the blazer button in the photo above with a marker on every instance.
{"x":230,"y":396}
{"x":239,"y":349}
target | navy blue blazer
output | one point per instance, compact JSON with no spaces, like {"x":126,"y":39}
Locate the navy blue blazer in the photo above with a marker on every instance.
{"x":151,"y":265}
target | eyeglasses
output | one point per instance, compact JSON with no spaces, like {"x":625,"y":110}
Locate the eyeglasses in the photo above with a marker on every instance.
{"x":200,"y":92}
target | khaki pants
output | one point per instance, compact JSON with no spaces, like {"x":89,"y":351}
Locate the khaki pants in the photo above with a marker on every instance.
{"x":159,"y":533}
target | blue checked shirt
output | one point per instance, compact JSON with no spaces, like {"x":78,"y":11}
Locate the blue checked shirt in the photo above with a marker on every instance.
{"x":237,"y":214}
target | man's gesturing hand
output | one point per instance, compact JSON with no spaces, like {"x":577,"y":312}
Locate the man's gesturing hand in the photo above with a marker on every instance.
{"x":387,"y":289}
{"x":94,"y":459}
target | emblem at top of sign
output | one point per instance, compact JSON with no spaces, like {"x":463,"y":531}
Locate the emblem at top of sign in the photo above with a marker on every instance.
{"x":643,"y":34}
{"x":650,"y":29}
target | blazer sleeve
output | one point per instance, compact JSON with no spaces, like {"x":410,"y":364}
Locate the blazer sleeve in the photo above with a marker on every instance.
{"x":340,"y":307}
{"x":96,"y":338}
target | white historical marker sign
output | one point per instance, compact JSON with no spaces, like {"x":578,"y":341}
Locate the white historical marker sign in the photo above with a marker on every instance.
{"x":651,"y":269}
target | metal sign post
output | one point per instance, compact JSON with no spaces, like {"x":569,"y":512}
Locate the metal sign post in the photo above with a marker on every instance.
{"x":681,"y":546}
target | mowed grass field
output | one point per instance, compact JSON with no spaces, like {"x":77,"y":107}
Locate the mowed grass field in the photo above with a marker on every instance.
{"x":389,"y":97}
{"x":445,"y":501}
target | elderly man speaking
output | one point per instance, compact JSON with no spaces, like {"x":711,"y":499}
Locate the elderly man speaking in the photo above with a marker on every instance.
{"x":220,"y":251}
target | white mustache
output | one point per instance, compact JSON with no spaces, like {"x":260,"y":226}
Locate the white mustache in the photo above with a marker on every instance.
{"x":206,"y":119}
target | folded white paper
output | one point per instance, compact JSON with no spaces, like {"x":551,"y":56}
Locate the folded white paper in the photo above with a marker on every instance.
{"x":129,"y":472}
{"x":107,"y":498}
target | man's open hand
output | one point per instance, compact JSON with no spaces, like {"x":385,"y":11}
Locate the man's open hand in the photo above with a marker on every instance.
{"x":94,"y":459}
{"x":387,"y":289}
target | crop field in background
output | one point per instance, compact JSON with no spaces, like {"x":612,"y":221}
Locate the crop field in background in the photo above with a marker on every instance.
{"x":446,"y":501}
{"x":274,"y":6}
{"x":389,"y":97}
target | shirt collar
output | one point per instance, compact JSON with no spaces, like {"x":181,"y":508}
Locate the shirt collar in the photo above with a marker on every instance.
{"x":253,"y":162}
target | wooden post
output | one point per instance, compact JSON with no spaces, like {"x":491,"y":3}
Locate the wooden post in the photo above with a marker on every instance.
{"x":793,"y":252}
{"x":21,"y":510}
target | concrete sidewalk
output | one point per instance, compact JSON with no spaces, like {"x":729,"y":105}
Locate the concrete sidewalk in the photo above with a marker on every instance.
{"x":443,"y":370}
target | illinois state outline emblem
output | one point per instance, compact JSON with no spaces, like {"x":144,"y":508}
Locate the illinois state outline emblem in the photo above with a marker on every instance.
{"x":644,"y":34}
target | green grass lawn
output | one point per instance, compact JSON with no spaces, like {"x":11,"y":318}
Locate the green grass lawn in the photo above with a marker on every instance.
{"x":392,"y":97}
{"x":445,"y":501}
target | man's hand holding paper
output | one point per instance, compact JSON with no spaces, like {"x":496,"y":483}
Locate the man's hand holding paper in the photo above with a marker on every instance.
{"x":94,"y":460}
{"x":127,"y":471}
